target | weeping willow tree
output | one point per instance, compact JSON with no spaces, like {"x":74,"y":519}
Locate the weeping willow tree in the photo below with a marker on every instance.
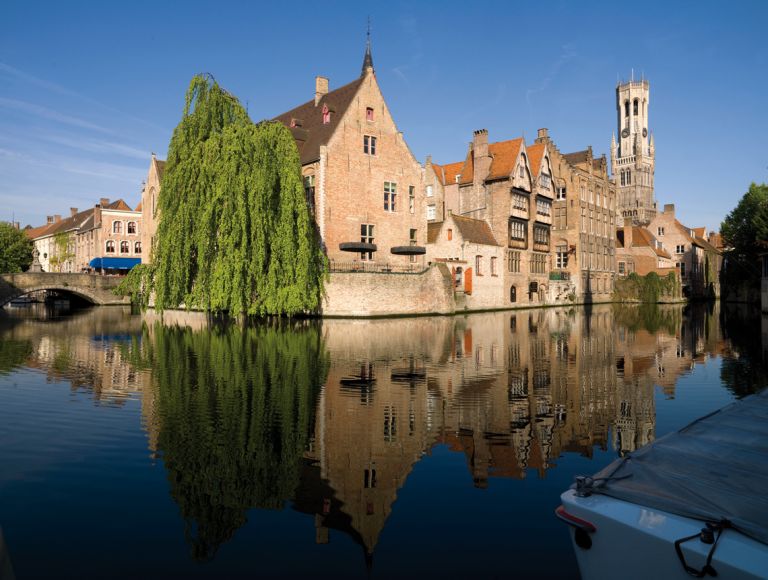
{"x":236,"y":408}
{"x":235,"y":234}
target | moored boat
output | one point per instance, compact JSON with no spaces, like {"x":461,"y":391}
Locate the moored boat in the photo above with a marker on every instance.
{"x":692,"y":503}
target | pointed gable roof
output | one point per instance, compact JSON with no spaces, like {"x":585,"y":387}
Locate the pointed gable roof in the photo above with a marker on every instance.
{"x":119,"y":205}
{"x":475,"y":231}
{"x":504,"y":156}
{"x":536,"y":156}
{"x":446,"y":174}
{"x":309,"y":131}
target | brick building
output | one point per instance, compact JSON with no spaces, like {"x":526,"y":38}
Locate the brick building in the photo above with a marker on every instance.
{"x":495,"y":183}
{"x":363,"y":184}
{"x":637,"y":250}
{"x":150,"y":194}
{"x":584,"y":221}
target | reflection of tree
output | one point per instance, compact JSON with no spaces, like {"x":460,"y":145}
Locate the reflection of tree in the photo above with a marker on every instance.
{"x":650,"y":317}
{"x":744,"y":373}
{"x":236,"y":407}
{"x":13,"y":353}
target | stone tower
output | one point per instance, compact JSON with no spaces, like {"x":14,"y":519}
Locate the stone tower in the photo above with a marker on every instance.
{"x":633,"y":158}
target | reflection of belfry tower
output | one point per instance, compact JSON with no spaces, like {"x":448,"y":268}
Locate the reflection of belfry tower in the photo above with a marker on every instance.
{"x":633,"y":158}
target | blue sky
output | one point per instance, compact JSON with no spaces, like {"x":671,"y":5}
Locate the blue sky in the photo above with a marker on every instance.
{"x":89,"y":89}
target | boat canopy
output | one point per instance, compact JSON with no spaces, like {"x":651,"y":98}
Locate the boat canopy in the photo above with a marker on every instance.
{"x":115,"y":263}
{"x":714,"y":469}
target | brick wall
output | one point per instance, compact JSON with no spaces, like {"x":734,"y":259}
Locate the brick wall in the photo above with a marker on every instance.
{"x":381,"y":294}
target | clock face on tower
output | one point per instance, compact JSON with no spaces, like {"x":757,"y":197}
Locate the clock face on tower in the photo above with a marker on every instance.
{"x":625,"y":133}
{"x":645,"y":132}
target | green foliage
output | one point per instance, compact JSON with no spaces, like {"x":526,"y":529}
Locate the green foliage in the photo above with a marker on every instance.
{"x":136,"y":285}
{"x":745,"y":230}
{"x":13,"y":353}
{"x":62,"y":252}
{"x":15,"y":249}
{"x":236,"y":410}
{"x":650,"y":288}
{"x":235,"y":234}
{"x":648,"y":316}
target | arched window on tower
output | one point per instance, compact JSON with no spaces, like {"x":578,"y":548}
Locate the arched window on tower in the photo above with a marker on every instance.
{"x":629,"y":177}
{"x":626,"y":108}
{"x":636,"y":107}
{"x":622,"y":177}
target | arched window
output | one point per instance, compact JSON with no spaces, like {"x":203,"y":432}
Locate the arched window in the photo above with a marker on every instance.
{"x":125,"y":247}
{"x":629,"y":177}
{"x":117,"y":227}
{"x":131,"y":227}
{"x":636,"y":106}
{"x":137,"y":248}
{"x":110,"y":247}
{"x":626,"y":108}
{"x":513,"y":294}
{"x":622,"y":177}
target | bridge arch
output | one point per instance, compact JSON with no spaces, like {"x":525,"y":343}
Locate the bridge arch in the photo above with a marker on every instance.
{"x":79,"y":292}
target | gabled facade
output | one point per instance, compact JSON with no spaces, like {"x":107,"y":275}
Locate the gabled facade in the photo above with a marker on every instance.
{"x":637,"y":250}
{"x":150,"y":195}
{"x":362,"y":183}
{"x":475,"y":258}
{"x":496,"y":184}
{"x":584,"y":221}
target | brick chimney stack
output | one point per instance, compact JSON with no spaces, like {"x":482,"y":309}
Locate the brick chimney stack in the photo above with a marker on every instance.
{"x":56,"y":218}
{"x":72,"y":211}
{"x":104,"y":202}
{"x":542,"y":134}
{"x":481,"y":158}
{"x":321,"y":88}
{"x":49,"y":219}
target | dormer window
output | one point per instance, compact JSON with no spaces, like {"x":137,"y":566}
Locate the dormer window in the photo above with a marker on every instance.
{"x":369,"y":113}
{"x":326,"y":115}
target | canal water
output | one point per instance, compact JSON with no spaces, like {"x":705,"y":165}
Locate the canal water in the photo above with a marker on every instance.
{"x":432,"y":447}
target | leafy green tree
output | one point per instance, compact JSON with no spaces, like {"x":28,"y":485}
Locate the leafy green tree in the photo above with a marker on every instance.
{"x":15,"y":249}
{"x":235,"y":234}
{"x":745,"y":230}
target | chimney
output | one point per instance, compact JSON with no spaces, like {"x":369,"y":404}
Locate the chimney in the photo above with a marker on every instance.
{"x":56,"y":218}
{"x":669,"y":208}
{"x":97,"y":215}
{"x":480,"y":143}
{"x":72,"y":211}
{"x":104,"y":202}
{"x":627,"y":233}
{"x":49,"y":219}
{"x":542,"y":134}
{"x":321,"y":88}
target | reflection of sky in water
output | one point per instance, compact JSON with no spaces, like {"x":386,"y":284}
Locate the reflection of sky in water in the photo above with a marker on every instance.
{"x":410,"y":446}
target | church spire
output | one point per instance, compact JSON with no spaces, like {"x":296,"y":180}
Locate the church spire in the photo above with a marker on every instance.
{"x":368,"y":59}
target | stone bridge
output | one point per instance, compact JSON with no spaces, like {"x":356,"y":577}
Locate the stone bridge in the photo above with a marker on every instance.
{"x":93,"y":288}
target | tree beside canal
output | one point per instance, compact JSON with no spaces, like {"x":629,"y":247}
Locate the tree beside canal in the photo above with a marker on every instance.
{"x":235,"y":233}
{"x":15,"y":249}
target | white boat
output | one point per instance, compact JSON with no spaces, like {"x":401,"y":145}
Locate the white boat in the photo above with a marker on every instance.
{"x":692,"y":503}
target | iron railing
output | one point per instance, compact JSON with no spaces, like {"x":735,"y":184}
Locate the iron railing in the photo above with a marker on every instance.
{"x":376,"y":267}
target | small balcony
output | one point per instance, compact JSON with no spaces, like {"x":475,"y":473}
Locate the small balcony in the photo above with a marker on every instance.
{"x":563,"y":275}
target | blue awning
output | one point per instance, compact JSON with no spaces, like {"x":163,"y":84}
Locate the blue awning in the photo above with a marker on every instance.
{"x":115,"y":263}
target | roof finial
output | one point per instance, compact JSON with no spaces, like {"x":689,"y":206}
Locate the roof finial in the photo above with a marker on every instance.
{"x":368,"y":59}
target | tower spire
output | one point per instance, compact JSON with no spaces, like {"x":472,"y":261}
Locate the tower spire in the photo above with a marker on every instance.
{"x":367,"y":59}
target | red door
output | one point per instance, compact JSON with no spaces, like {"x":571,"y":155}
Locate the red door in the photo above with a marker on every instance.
{"x":468,"y":281}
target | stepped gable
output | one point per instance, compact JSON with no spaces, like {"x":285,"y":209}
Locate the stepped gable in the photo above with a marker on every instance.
{"x":305,"y":122}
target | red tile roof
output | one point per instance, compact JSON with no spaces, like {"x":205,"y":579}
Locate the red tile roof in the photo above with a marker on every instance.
{"x":503,"y":159}
{"x":535,"y":156}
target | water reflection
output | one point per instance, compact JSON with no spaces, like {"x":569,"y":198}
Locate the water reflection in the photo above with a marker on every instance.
{"x":331,"y":417}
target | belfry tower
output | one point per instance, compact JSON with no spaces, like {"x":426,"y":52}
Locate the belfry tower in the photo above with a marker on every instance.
{"x":633,"y":158}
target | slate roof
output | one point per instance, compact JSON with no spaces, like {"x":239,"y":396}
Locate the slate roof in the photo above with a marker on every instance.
{"x":312,"y":133}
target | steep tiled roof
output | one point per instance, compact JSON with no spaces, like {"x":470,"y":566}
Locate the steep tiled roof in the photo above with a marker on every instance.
{"x":312,"y":133}
{"x":451,"y":170}
{"x":702,"y":243}
{"x":475,"y":231}
{"x":119,"y":204}
{"x":577,"y":157}
{"x":642,"y":238}
{"x":699,"y":232}
{"x":433,"y":230}
{"x":535,"y":156}
{"x":446,"y":174}
{"x":33,"y":233}
{"x":503,"y":158}
{"x":138,"y":207}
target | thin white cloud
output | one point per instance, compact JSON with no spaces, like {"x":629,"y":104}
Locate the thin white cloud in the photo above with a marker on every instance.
{"x":50,"y":114}
{"x":9,"y":71}
{"x":99,"y":146}
{"x":568,"y":53}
